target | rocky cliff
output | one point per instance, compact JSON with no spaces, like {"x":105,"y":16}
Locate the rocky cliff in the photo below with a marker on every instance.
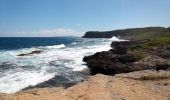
{"x":132,"y":33}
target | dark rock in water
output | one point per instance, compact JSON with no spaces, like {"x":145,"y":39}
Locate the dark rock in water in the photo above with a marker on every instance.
{"x":7,"y":66}
{"x":36,"y":52}
{"x":101,"y":62}
{"x":54,"y":81}
{"x":63,"y":80}
{"x":117,"y":60}
{"x":33,"y":52}
{"x":58,"y":80}
{"x":107,"y":62}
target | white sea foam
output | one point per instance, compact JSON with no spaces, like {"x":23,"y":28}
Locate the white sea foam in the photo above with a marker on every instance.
{"x":74,"y":43}
{"x":116,"y":39}
{"x":54,"y":46}
{"x":19,"y":80}
{"x":34,"y":69}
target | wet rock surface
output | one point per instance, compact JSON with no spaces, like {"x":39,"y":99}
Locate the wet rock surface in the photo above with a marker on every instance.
{"x":33,"y":52}
{"x":63,"y":80}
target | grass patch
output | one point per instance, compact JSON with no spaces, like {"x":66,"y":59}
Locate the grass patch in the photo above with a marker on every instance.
{"x":138,"y":55}
{"x":155,"y":42}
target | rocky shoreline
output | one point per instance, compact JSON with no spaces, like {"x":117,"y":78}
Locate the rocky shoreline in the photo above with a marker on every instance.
{"x":120,"y":59}
{"x":128,"y":75}
{"x":130,"y":70}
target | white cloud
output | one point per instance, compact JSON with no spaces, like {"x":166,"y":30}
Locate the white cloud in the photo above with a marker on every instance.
{"x":78,"y":24}
{"x":52,"y":32}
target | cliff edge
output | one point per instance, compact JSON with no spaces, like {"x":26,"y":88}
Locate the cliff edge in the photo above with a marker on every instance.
{"x":131,"y":33}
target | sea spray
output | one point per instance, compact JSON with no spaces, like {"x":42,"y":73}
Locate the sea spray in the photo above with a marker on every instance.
{"x":60,"y":56}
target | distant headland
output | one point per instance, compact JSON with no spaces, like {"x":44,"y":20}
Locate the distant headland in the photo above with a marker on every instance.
{"x":131,"y":33}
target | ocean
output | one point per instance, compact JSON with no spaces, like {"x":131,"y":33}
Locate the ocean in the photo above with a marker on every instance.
{"x":61,"y":56}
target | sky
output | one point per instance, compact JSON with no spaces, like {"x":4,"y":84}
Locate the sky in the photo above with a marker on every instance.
{"x":46,"y":18}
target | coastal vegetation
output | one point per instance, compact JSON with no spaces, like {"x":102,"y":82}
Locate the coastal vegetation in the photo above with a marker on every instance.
{"x":159,"y":41}
{"x":132,"y":33}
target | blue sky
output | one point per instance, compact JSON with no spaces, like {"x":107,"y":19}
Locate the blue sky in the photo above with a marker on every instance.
{"x":74,"y":17}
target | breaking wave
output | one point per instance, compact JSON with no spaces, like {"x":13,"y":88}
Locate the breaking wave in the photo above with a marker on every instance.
{"x":18,"y":72}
